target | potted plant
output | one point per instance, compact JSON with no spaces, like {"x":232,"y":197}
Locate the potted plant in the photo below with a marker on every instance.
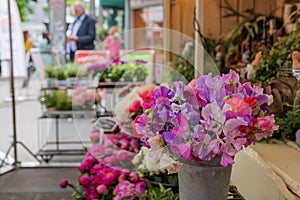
{"x":278,"y":58}
{"x":71,"y":73}
{"x":63,"y":100}
{"x":60,"y":75}
{"x":49,"y":100}
{"x":116,"y":73}
{"x":57,"y":100}
{"x":50,"y":76}
{"x":140,"y":73}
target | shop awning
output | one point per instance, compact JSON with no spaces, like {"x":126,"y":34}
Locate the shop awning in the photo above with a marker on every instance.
{"x":113,"y":4}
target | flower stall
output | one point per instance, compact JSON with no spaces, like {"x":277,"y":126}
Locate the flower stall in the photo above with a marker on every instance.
{"x":194,"y":128}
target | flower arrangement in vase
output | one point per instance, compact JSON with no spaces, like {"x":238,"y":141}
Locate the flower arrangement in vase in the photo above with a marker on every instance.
{"x":212,"y":116}
{"x":205,"y":124}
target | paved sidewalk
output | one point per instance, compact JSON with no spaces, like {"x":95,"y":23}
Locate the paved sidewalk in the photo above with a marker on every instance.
{"x":37,"y":184}
{"x":31,"y":183}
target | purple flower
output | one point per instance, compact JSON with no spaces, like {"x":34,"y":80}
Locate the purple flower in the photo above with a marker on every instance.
{"x":139,"y":61}
{"x":98,"y":66}
{"x":226,"y":160}
{"x":168,"y":137}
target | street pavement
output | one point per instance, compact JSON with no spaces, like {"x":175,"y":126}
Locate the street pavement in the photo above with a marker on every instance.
{"x":35,"y":183}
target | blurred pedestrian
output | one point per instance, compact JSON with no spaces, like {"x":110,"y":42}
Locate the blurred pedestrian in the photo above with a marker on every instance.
{"x":83,"y":31}
{"x":28,"y":44}
{"x":45,"y":49}
{"x":112,"y":43}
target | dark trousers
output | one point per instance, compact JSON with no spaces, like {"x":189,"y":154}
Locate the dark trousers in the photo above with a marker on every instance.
{"x":72,"y":56}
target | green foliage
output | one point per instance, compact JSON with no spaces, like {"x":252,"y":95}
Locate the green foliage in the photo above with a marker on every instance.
{"x":50,"y":72}
{"x":279,"y":56}
{"x":126,"y":72}
{"x":65,"y":71}
{"x":251,"y":24}
{"x":23,"y":8}
{"x":289,"y":122}
{"x":60,"y":100}
{"x":71,"y":69}
{"x":60,"y":73}
{"x":183,"y":68}
{"x":101,"y":33}
{"x":160,"y":193}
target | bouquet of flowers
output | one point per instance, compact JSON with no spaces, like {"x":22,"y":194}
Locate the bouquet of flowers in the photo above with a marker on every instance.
{"x":101,"y":181}
{"x":212,"y":116}
{"x":105,"y":170}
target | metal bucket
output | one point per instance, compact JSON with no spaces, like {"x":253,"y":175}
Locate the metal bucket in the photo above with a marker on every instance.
{"x":206,"y":180}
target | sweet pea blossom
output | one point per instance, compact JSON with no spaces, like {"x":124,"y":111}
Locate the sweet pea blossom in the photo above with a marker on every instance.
{"x":212,"y":116}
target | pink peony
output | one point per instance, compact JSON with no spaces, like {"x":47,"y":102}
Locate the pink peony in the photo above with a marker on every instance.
{"x":133,"y":177}
{"x":84,"y":181}
{"x":95,"y":136}
{"x":101,"y":189}
{"x":141,"y":187}
{"x":107,"y":175}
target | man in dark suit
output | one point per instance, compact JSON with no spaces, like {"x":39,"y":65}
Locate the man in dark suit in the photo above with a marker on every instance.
{"x":83,"y":31}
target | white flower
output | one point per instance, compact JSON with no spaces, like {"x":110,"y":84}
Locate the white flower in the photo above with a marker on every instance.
{"x":169,"y":164}
{"x":156,"y":142}
{"x":137,"y":159}
{"x":151,"y":160}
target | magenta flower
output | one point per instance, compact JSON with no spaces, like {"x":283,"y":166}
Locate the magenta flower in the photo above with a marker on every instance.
{"x":133,"y":177}
{"x":87,"y":164}
{"x":141,"y":187}
{"x":84,"y":181}
{"x":63,"y":183}
{"x":107,"y":175}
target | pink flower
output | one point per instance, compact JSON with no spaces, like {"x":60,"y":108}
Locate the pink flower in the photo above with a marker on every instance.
{"x":95,"y":136}
{"x":192,"y":83}
{"x":101,"y":189}
{"x":146,"y":96}
{"x":87,"y":164}
{"x":226,"y":160}
{"x":124,"y":189}
{"x":141,"y":187}
{"x":134,"y":143}
{"x":133,"y":177}
{"x":84,"y":181}
{"x":63,"y":183}
{"x":107,"y":175}
{"x":124,"y":156}
{"x":124,"y":143}
{"x":156,"y":142}
{"x":133,"y":126}
{"x":110,"y":160}
{"x":237,"y":104}
{"x":135,"y":106}
{"x":122,"y":177}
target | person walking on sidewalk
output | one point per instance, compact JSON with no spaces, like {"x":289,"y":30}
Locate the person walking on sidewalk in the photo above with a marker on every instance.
{"x":83,"y":31}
